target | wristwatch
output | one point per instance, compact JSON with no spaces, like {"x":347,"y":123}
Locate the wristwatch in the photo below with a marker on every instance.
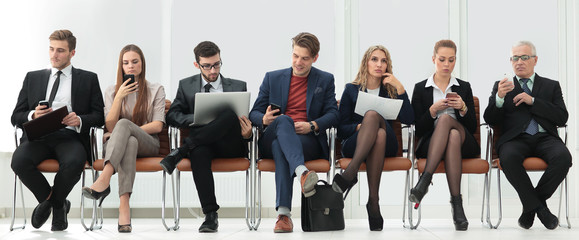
{"x":313,"y":127}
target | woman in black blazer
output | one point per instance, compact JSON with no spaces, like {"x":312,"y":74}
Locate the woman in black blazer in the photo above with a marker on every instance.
{"x":370,"y":138}
{"x":444,"y":111}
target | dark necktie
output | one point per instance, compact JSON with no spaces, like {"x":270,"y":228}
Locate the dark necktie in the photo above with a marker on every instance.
{"x":533,"y":127}
{"x":207,"y":87}
{"x":54,"y":88}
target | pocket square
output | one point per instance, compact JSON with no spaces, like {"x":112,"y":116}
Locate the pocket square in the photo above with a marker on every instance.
{"x":318,"y":90}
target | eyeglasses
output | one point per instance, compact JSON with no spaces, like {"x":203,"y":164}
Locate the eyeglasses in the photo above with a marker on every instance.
{"x":217,"y":65}
{"x":524,"y":58}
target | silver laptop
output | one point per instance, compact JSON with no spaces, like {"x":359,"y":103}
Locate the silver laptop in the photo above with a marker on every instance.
{"x":207,"y":104}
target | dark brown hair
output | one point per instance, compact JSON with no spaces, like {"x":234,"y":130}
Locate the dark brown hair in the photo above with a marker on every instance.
{"x":64,"y":35}
{"x":205,"y":49}
{"x":308,"y":41}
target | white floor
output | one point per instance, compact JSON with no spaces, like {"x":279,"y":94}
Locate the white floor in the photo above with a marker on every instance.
{"x":235,"y":228}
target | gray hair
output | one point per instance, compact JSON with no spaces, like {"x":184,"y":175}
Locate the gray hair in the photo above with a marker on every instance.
{"x":526,"y":43}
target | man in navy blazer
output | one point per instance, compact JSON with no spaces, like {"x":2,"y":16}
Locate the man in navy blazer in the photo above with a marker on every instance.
{"x":294,"y":108}
{"x":64,"y":85}
{"x":528,"y":109}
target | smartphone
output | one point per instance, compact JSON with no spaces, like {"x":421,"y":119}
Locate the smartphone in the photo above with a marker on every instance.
{"x":451,"y":95}
{"x":127,"y":76}
{"x":275,"y":106}
{"x":44,"y":103}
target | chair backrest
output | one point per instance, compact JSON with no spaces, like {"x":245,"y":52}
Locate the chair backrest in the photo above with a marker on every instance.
{"x":164,"y":141}
{"x":477,"y":112}
{"x":497,"y":131}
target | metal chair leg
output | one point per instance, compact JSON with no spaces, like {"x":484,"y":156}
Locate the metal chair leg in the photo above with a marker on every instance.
{"x":487,"y":200}
{"x":163,"y":218}
{"x":258,"y":217}
{"x":13,"y":218}
{"x":408,"y":204}
{"x":248,"y":206}
{"x":564,"y":187}
{"x":84,"y":225}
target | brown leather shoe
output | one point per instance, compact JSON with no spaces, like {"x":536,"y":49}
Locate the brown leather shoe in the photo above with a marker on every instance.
{"x":308,"y":181}
{"x":283,"y":224}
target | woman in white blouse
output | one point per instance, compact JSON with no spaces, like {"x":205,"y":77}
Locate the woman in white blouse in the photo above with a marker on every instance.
{"x":445,"y":124}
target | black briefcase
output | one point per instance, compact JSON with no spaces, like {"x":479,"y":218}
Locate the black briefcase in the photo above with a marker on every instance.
{"x":324,"y":211}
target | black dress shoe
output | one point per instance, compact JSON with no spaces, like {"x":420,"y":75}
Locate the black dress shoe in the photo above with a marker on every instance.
{"x":549,"y":220}
{"x":59,"y":220}
{"x":41,"y":213}
{"x":526,"y":219}
{"x":172,"y":159}
{"x":210,"y":224}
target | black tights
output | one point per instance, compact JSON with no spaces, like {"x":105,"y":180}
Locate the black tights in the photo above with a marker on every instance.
{"x":370,"y":146}
{"x":446,"y":141}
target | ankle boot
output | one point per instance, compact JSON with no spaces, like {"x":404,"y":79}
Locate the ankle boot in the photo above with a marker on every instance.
{"x":418,"y":192}
{"x":460,"y":221}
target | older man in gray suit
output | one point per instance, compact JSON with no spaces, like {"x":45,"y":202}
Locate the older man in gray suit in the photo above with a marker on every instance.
{"x":224,"y":137}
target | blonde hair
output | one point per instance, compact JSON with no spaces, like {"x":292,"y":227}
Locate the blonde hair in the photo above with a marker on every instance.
{"x":363,"y":74}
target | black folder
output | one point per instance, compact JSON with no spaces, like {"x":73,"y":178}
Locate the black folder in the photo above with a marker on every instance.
{"x":45,"y":124}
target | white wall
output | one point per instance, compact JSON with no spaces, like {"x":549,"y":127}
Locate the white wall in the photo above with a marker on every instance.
{"x":252,"y":41}
{"x":255,"y":37}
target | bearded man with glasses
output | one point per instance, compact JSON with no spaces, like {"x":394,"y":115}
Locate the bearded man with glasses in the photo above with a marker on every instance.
{"x":224,"y":137}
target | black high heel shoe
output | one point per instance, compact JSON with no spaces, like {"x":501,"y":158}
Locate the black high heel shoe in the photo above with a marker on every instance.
{"x":341,"y":185}
{"x":92,"y":194}
{"x":376,"y":223}
{"x":460,"y":221}
{"x":418,"y":192}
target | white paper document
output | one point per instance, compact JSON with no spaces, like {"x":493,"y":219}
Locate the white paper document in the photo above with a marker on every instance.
{"x":388,"y":108}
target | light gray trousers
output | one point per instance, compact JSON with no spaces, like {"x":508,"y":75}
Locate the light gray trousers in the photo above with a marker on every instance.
{"x":128,"y":141}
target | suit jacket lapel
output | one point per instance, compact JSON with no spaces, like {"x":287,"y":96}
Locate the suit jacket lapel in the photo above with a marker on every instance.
{"x":312,"y":85}
{"x":284,"y":87}
{"x":536,"y":85}
{"x":44,"y":84}
{"x":428,"y":95}
{"x":195,"y":84}
{"x":226,"y":84}
{"x":75,"y":84}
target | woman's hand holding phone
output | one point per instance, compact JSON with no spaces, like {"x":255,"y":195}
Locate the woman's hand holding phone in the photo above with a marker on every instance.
{"x":129,"y":86}
{"x":454,"y":100}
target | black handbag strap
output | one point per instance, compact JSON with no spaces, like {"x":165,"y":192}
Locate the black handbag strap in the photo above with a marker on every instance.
{"x":324,"y":182}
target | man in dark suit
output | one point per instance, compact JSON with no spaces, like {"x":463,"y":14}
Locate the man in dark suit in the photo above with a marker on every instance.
{"x":224,"y":137}
{"x":528,"y":109}
{"x":307,"y":104}
{"x":62,"y":85}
